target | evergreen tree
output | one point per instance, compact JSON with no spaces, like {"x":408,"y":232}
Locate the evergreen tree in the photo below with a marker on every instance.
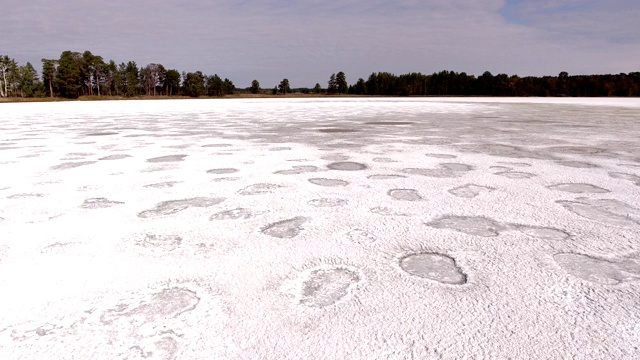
{"x":68,"y":78}
{"x":228,"y":87}
{"x":194,"y":84}
{"x":360,"y":87}
{"x":284,"y":86}
{"x":131,"y":75}
{"x":372,"y":84}
{"x":87,"y":70}
{"x":161,"y":74}
{"x":172,"y":81}
{"x":121,"y":79}
{"x":215,"y":86}
{"x":48,"y":72}
{"x":341,"y":83}
{"x":484,"y":84}
{"x":332,"y":87}
{"x":110,"y":72}
{"x":28,"y":80}
{"x":255,"y":87}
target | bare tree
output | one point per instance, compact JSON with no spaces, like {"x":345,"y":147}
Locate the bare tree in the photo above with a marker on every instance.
{"x":6,"y":66}
{"x":152,"y":76}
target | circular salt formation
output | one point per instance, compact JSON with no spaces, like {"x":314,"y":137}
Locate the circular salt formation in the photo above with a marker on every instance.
{"x":599,"y":270}
{"x":298,"y":169}
{"x":347,"y":166}
{"x":470,"y":225}
{"x":337,"y":130}
{"x":578,"y":188}
{"x":385,"y":177}
{"x":433,"y":266}
{"x":216,"y":145}
{"x":470,"y":190}
{"x":457,"y":166}
{"x":115,"y":157}
{"x":161,"y":185}
{"x":405,"y":194}
{"x":71,"y":165}
{"x":383,"y":160}
{"x":441,"y":156}
{"x":226,"y":178}
{"x":285,"y":229}
{"x":576,"y":164}
{"x":105,"y":133}
{"x":259,"y":189}
{"x":222,"y":171}
{"x":234,"y":214}
{"x":168,"y":303}
{"x":334,"y":157}
{"x":160,"y":242}
{"x":389,"y":123}
{"x":543,"y":232}
{"x":174,"y":206}
{"x":328,"y":182}
{"x":328,"y":202}
{"x":625,"y":176}
{"x":516,"y":174}
{"x":168,"y":158}
{"x":607,"y":211}
{"x":323,"y":287}
{"x":99,"y":203}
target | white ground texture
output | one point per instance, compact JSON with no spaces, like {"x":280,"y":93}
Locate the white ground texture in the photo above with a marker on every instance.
{"x":320,"y":229}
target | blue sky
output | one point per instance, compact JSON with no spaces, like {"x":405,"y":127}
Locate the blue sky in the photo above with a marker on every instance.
{"x":524,"y":12}
{"x":306,"y":40}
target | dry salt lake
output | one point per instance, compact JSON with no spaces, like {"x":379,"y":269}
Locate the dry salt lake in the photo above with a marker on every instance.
{"x":320,"y":229}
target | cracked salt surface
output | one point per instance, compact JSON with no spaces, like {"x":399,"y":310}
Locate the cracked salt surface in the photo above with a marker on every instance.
{"x":408,"y":228}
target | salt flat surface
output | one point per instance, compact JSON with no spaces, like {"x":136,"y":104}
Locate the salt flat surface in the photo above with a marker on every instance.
{"x":320,"y":229}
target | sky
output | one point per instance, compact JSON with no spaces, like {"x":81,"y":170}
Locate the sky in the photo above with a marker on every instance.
{"x":306,"y":41}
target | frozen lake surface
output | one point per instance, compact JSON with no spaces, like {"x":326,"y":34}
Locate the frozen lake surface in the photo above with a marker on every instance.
{"x":320,"y":229}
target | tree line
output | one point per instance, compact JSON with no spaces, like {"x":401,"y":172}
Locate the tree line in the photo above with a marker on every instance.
{"x":76,"y":74}
{"x":451,"y":83}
